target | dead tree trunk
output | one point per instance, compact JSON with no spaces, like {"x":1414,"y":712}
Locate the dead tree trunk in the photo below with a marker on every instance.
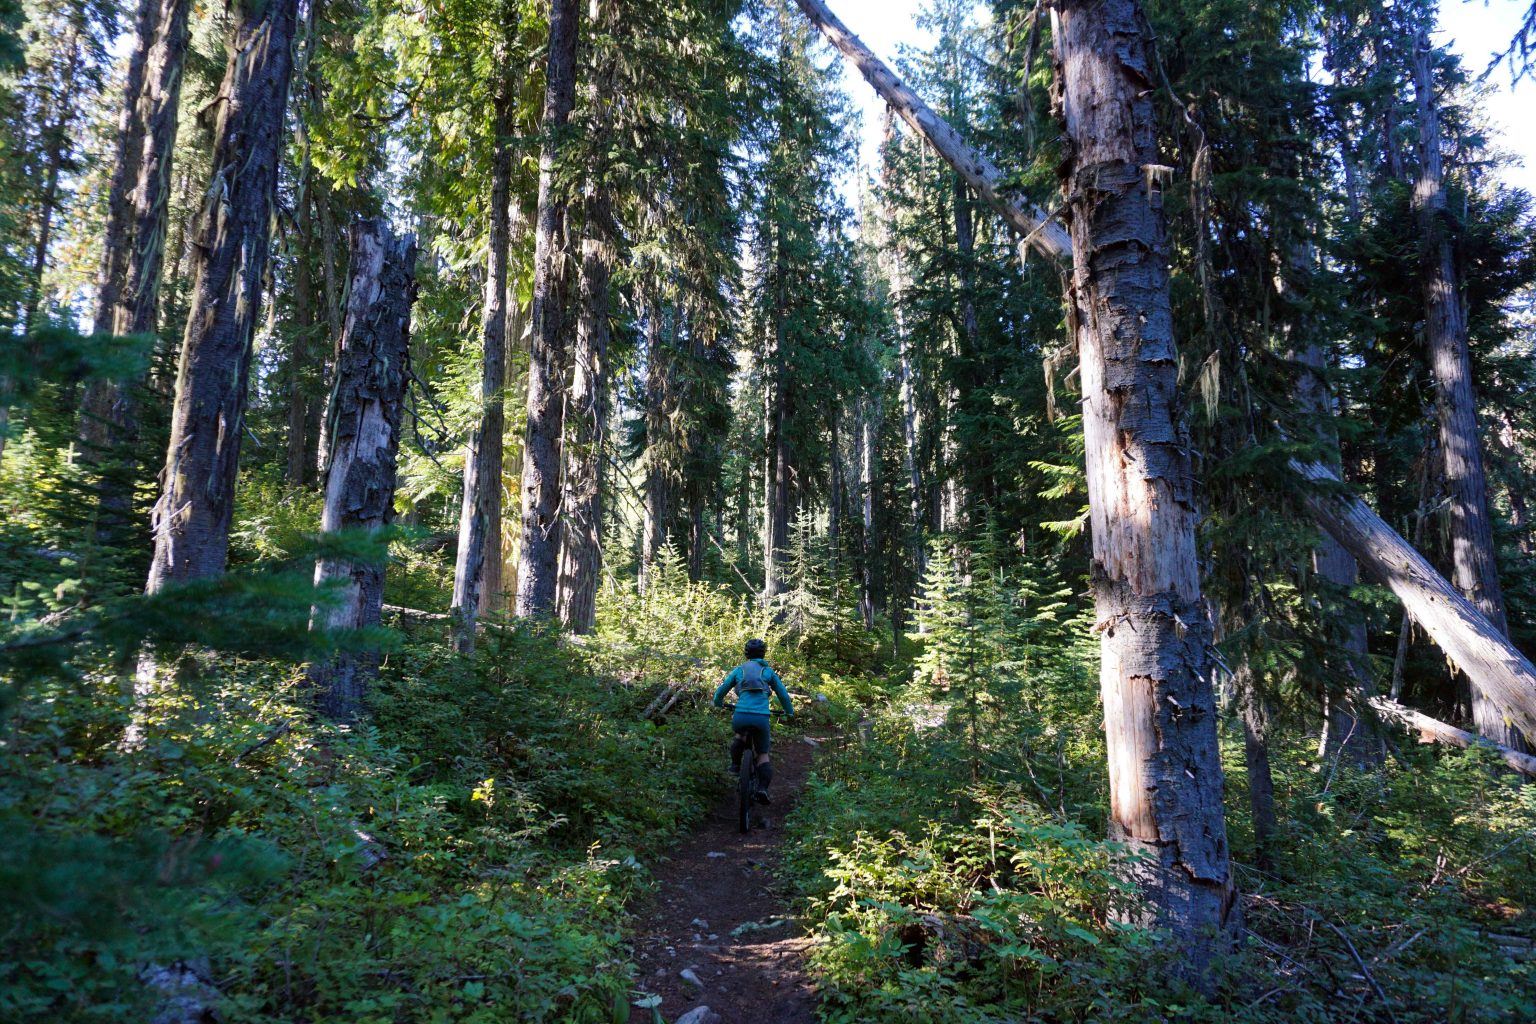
{"x":1445,"y":327}
{"x":539,"y":543}
{"x":1477,"y":647}
{"x":581,"y":555}
{"x":480,"y":514}
{"x":366,"y":404}
{"x":1159,"y":711}
{"x":192,"y":516}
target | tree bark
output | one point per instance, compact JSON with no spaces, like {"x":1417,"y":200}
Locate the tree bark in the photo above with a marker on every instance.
{"x":1469,"y":640}
{"x":867,"y":539}
{"x":192,"y":516}
{"x":299,"y":403}
{"x":658,"y":442}
{"x":1160,"y":715}
{"x":976,"y":170}
{"x":366,"y":405}
{"x":480,"y":513}
{"x":1253,"y":709}
{"x":581,"y":556}
{"x":1344,"y":731}
{"x":1445,"y":326}
{"x":539,"y":543}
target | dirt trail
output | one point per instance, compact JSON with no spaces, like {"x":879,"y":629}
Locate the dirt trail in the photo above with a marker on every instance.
{"x":706,"y":904}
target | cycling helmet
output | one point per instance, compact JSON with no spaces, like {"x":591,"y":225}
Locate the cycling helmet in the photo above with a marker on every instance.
{"x":756,"y":648}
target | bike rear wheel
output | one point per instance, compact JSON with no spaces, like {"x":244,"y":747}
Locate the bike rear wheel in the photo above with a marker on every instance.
{"x":746,"y":788}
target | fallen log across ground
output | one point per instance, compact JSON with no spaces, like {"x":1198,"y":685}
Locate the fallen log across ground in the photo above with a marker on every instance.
{"x":1432,"y":730}
{"x":1466,"y":636}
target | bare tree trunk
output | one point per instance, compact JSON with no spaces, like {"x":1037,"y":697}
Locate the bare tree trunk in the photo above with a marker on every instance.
{"x":192,"y":516}
{"x":366,"y":406}
{"x":480,"y":515}
{"x":581,"y":556}
{"x":1160,"y":717}
{"x":539,"y":545}
{"x":1472,"y":552}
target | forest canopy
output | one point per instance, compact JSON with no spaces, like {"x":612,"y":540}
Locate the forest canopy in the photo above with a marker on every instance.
{"x":408,"y":411}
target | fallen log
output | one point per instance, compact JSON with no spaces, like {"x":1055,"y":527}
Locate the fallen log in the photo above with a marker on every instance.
{"x":1432,"y":730}
{"x":1034,"y":224}
{"x":1466,"y":636}
{"x":1468,"y":639}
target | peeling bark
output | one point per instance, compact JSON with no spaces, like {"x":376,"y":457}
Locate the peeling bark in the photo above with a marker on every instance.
{"x":229,"y":257}
{"x":1159,"y":710}
{"x":372,"y":371}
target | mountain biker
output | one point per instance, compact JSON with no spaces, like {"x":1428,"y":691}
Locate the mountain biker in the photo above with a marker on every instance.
{"x":752,"y":680}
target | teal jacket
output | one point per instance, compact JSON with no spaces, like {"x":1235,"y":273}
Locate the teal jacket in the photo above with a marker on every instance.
{"x":754,"y":703}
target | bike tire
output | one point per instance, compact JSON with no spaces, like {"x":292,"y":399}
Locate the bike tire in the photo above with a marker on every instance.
{"x":746,"y":788}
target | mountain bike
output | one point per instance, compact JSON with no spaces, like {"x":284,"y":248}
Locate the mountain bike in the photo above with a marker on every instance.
{"x":746,"y":784}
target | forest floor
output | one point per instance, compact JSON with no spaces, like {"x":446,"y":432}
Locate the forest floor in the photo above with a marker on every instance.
{"x":719,"y":915}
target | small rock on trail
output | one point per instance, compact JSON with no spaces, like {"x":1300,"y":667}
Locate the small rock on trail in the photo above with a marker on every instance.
{"x":716,"y":882}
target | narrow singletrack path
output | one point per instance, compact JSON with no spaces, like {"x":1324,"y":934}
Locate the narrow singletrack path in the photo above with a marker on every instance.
{"x":719,"y":916}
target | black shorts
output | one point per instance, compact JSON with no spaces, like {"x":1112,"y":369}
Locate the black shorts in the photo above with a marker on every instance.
{"x":756,"y":727}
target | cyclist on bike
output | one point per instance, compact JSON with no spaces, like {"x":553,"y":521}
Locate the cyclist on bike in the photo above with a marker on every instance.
{"x":752,"y":680}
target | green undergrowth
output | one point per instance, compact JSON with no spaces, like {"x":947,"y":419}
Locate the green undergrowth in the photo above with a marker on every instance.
{"x":949,"y":879}
{"x":950,"y":859}
{"x":465,"y":856}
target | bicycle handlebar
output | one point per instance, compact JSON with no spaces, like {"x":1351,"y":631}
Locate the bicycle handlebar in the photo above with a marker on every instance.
{"x":732,"y":707}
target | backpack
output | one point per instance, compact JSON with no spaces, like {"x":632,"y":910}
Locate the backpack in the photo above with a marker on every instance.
{"x":752,"y":678}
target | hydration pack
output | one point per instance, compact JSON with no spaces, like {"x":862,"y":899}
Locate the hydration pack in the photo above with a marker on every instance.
{"x":752,"y":678}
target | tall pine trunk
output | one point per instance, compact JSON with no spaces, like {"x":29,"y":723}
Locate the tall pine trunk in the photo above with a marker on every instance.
{"x":868,"y":545}
{"x":480,"y":513}
{"x":133,"y":243}
{"x":539,"y":542}
{"x":229,"y":257}
{"x":659,"y":450}
{"x":581,"y":556}
{"x":1445,"y":327}
{"x":365,"y":408}
{"x":1159,"y":710}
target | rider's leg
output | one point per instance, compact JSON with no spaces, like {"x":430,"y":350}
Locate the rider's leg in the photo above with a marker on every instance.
{"x":737,"y":746}
{"x":764,"y":772}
